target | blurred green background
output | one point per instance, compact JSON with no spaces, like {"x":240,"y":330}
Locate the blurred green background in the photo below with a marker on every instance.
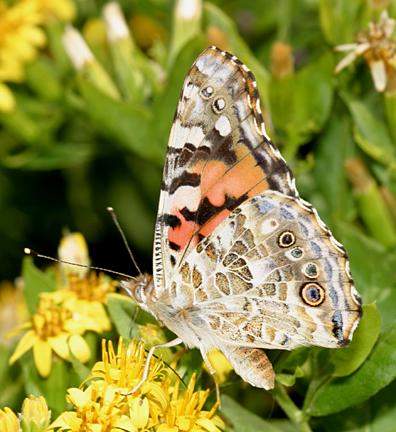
{"x":76,"y":140}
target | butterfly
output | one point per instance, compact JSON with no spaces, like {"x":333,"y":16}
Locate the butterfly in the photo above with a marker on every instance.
{"x":241,"y":262}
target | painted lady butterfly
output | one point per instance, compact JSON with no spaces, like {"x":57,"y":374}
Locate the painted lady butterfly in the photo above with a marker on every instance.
{"x":241,"y":262}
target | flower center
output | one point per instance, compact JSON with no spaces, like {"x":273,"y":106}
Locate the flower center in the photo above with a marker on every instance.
{"x":50,"y":318}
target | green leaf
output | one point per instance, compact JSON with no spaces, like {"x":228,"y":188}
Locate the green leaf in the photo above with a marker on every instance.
{"x":373,"y":269}
{"x":80,"y":369}
{"x":347,"y":360}
{"x":135,"y":217}
{"x":289,"y":379}
{"x":335,"y":145}
{"x":290,"y":360}
{"x":375,"y":415}
{"x":376,"y":373}
{"x":123,"y":312}
{"x":310,"y":96}
{"x":61,"y":155}
{"x":124,"y":122}
{"x":126,"y":314}
{"x":36,"y":282}
{"x":241,"y":419}
{"x":370,"y":131}
{"x":55,"y":386}
{"x":217,"y":18}
{"x":339,"y":20}
{"x":52,"y":388}
{"x":11,"y":379}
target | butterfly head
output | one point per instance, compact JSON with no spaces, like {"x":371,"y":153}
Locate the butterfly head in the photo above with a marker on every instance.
{"x":141,"y":289}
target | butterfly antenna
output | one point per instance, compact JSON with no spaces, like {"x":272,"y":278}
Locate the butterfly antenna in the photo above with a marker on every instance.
{"x":124,"y":239}
{"x":29,"y":251}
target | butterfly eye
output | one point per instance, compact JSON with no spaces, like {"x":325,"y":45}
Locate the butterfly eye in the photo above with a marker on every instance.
{"x":207,"y":92}
{"x":312,"y":294}
{"x":139,"y":293}
{"x":310,"y":270}
{"x":218,"y":105}
{"x":286,"y":239}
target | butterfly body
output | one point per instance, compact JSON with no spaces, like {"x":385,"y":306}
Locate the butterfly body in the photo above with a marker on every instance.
{"x":241,"y":262}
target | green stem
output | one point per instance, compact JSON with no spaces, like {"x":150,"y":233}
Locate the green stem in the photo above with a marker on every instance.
{"x":289,"y":407}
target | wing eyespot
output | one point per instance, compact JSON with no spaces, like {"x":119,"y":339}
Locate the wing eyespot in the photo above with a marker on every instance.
{"x":207,"y":92}
{"x":218,"y":105}
{"x":310,"y":270}
{"x":286,"y":239}
{"x":295,"y":254}
{"x":312,"y":294}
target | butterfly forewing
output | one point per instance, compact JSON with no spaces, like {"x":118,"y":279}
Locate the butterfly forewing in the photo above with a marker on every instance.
{"x":218,"y":156}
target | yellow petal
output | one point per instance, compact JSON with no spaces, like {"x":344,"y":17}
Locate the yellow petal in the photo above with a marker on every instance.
{"x":8,"y":420}
{"x":184,"y":423}
{"x":208,"y":425}
{"x":78,"y":398}
{"x":67,"y":420}
{"x":166,"y":428}
{"x":35,"y":412}
{"x":79,"y":348}
{"x":27,"y":341}
{"x":73,"y":248}
{"x":34,"y":35}
{"x":139,"y":412}
{"x":7,"y":100}
{"x":220,"y":364}
{"x":157,"y":393}
{"x":42,"y":357}
{"x":124,"y":423}
{"x":60,"y":345}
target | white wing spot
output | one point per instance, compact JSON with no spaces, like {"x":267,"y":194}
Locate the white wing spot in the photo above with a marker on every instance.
{"x":258,"y":108}
{"x":269,"y":226}
{"x":223,"y":125}
{"x":218,"y":105}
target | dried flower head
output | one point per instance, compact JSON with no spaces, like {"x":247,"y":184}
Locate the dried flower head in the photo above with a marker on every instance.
{"x":378,"y":48}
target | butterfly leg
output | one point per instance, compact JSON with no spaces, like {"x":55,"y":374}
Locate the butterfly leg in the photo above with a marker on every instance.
{"x":252,"y":365}
{"x":212,"y":371}
{"x":150,"y":354}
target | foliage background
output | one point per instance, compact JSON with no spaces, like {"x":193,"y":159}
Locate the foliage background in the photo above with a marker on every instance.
{"x":69,"y":150}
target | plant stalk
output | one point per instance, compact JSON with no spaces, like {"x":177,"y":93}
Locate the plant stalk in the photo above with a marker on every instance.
{"x":289,"y":407}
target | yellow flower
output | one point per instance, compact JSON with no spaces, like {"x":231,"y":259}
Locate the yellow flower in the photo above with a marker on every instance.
{"x":152,"y":334}
{"x":7,"y":100}
{"x":13,"y":309}
{"x":158,"y":405}
{"x":93,"y":287}
{"x":57,"y":327}
{"x":378,"y":48}
{"x":35,"y":415}
{"x":185,"y":412}
{"x":85,"y":285}
{"x":73,"y":248}
{"x":20,"y":38}
{"x":63,"y":10}
{"x":220,"y":364}
{"x":8,"y":421}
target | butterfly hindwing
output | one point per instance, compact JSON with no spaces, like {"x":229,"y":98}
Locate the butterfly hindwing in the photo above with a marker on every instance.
{"x":271,"y":275}
{"x":218,"y":156}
